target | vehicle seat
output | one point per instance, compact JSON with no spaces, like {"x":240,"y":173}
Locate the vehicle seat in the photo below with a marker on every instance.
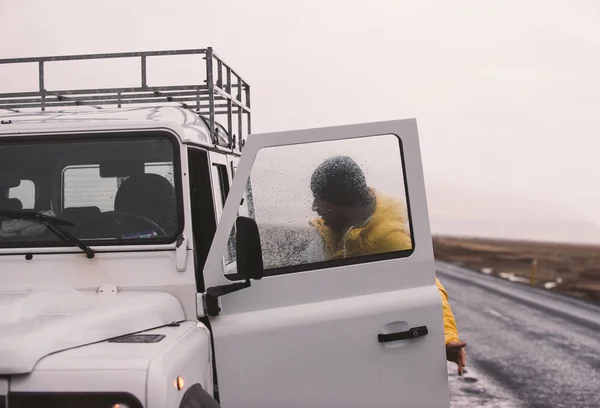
{"x":79,"y":215}
{"x":11,"y":204}
{"x":151,"y":196}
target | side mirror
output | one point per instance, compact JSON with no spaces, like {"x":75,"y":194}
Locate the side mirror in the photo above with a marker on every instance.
{"x":248,"y":248}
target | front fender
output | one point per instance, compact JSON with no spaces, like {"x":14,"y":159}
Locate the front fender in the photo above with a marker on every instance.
{"x":188,"y":359}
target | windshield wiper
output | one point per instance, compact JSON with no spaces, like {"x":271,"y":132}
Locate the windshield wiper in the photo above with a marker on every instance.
{"x":53,"y":224}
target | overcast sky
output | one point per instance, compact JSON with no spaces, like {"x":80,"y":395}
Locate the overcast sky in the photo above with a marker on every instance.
{"x":506,"y":93}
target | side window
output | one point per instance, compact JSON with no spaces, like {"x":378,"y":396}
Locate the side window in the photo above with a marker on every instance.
{"x":221,"y":186}
{"x":204,"y":222}
{"x":83,"y":186}
{"x":162,"y":169}
{"x":221,"y":183}
{"x":24,"y":192}
{"x":328,"y":203}
{"x":246,"y":209}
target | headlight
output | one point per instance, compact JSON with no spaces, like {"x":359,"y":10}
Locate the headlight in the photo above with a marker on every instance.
{"x":72,"y":400}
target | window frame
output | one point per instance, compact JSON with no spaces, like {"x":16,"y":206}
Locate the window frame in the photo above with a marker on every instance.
{"x":113,"y":135}
{"x":203,"y":216}
{"x":357,"y":260}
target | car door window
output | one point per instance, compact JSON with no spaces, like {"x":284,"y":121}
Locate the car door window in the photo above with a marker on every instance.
{"x":328,"y":203}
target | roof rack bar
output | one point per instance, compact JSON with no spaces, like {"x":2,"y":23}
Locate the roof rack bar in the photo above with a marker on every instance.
{"x":202,"y":88}
{"x":108,"y":90}
{"x":57,"y":96}
{"x":219,"y":112}
{"x":249,"y":130}
{"x":219,"y":73}
{"x":102,"y":56}
{"x":191,"y":102}
{"x":211,"y":94}
{"x":144,"y":82}
{"x":41,"y":84}
{"x":229,"y":108}
{"x":238,"y":102}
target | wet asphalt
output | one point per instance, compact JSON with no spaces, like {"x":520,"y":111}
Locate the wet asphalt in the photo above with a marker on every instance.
{"x":527,"y":347}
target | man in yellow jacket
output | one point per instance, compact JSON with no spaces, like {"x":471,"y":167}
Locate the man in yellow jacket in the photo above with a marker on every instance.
{"x":356,"y":220}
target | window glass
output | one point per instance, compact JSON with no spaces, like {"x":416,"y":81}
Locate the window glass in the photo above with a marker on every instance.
{"x":245,"y":209}
{"x":326,"y":202}
{"x":221,"y":185}
{"x":111,"y":188}
{"x":84,"y":187}
{"x":25,"y":193}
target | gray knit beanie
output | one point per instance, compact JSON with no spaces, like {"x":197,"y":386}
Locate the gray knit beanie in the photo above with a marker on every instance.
{"x":340,"y":181}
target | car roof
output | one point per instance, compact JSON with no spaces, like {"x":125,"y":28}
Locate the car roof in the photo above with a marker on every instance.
{"x":195,"y":128}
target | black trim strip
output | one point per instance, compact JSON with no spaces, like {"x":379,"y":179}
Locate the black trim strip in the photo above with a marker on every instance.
{"x":116,"y":251}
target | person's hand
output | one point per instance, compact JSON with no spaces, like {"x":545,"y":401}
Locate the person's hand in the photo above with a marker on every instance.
{"x":455,"y":352}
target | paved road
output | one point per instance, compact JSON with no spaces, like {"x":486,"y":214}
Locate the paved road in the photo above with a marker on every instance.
{"x":527,"y":347}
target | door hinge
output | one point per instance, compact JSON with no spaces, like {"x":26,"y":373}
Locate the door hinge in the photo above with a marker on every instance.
{"x":211,"y":296}
{"x":181,"y":253}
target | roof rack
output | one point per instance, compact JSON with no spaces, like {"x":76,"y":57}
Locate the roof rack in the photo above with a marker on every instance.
{"x":210,"y":99}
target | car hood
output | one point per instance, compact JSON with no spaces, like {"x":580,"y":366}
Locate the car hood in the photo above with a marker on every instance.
{"x":37,"y":322}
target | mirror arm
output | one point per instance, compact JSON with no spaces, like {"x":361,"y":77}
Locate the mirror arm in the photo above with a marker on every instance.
{"x":211,"y":298}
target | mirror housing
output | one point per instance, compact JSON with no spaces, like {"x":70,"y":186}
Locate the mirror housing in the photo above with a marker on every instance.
{"x":248,"y":249}
{"x":249,"y":264}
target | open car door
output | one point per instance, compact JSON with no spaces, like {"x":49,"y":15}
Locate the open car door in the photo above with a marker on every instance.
{"x":360,"y":329}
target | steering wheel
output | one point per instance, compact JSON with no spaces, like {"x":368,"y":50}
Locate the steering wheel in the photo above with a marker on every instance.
{"x":114,"y":224}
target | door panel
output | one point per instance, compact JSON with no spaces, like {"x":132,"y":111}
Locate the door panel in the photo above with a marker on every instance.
{"x":327,"y":354}
{"x":307,"y":333}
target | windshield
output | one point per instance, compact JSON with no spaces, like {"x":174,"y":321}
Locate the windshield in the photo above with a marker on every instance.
{"x":111,"y":189}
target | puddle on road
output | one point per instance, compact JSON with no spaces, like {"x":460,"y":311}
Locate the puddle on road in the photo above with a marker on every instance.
{"x":475,"y":390}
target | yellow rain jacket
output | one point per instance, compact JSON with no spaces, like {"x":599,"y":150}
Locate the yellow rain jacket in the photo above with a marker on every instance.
{"x":385,"y":231}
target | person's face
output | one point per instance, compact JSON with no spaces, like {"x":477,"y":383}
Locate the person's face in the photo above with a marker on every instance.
{"x":333,"y":215}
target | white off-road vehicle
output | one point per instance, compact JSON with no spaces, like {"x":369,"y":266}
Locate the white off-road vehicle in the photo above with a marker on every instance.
{"x":146,"y":262}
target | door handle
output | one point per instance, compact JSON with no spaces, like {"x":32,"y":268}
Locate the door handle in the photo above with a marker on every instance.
{"x":409,"y":334}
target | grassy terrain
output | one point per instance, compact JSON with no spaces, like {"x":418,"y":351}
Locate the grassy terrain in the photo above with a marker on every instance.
{"x":574,"y":269}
